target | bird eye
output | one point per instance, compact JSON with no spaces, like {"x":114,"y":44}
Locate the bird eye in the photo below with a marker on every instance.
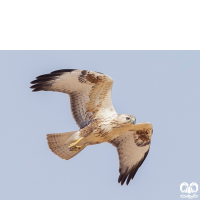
{"x":128,"y":118}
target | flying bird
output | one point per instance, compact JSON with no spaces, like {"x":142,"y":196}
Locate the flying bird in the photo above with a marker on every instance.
{"x":93,"y":111}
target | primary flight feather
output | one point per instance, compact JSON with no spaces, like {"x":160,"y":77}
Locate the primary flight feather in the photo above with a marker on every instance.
{"x":93,"y":111}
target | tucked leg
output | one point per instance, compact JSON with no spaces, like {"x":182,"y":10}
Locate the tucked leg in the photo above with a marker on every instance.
{"x":74,"y":147}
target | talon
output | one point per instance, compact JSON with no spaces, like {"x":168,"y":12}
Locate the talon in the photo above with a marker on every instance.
{"x":73,"y":147}
{"x":70,"y":149}
{"x":76,"y":148}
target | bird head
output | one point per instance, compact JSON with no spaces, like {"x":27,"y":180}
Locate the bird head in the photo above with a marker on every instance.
{"x":127,"y":119}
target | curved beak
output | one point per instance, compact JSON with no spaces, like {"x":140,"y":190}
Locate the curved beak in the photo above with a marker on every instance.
{"x":133,"y":121}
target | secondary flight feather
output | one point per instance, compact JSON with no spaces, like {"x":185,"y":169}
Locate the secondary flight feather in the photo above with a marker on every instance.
{"x":93,"y":111}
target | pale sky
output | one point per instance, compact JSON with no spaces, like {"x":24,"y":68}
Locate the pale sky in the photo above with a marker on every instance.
{"x":161,"y":87}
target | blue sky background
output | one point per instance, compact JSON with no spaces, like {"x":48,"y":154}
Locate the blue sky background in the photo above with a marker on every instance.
{"x":162,"y":87}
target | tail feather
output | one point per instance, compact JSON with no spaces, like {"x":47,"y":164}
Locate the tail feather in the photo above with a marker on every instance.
{"x":58,"y":146}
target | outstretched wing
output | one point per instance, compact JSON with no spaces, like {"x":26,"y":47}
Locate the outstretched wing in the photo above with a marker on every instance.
{"x":89,"y":92}
{"x":132,"y":147}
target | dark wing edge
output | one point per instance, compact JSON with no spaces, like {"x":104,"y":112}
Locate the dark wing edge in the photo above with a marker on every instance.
{"x":129,"y":174}
{"x":44,"y":82}
{"x":133,"y":147}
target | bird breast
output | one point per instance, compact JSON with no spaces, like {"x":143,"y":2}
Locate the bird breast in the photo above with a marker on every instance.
{"x":100,"y":131}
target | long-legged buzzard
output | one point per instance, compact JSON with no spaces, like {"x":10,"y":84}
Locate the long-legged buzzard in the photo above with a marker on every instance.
{"x":93,"y":111}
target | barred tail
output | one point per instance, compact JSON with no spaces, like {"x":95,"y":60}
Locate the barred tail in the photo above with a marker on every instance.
{"x":57,"y":144}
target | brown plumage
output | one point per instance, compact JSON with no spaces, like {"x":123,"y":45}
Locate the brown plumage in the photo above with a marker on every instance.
{"x":93,"y":111}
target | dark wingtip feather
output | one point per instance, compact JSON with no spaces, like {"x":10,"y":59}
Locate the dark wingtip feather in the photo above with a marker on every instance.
{"x":38,"y":87}
{"x":43,"y":82}
{"x":44,"y":76}
{"x":32,"y":87}
{"x":122,"y":177}
{"x":62,"y":71}
{"x":36,"y":90}
{"x":131,"y":173}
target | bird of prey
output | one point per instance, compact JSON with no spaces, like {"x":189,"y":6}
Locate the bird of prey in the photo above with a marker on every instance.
{"x":93,"y":111}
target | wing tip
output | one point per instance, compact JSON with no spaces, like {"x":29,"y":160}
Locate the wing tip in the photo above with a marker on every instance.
{"x":38,"y":87}
{"x":122,"y":177}
{"x":42,"y":82}
{"x":128,"y":175}
{"x":62,"y":71}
